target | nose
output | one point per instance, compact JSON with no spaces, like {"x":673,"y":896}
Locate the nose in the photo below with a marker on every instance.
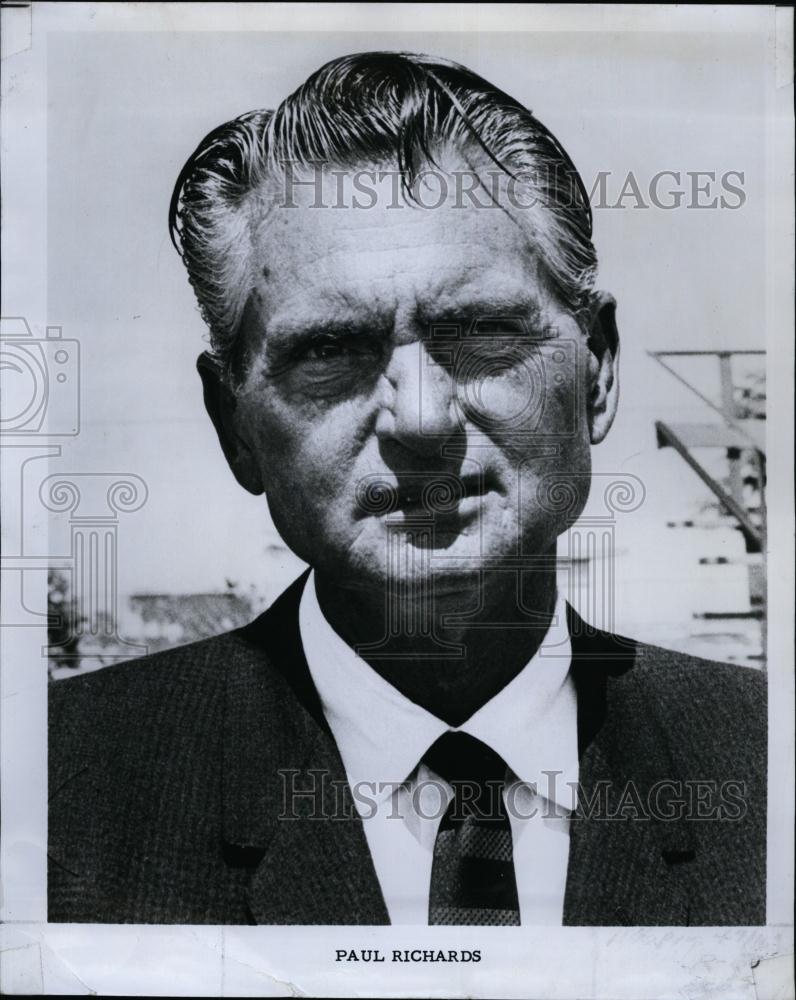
{"x":419,"y":404}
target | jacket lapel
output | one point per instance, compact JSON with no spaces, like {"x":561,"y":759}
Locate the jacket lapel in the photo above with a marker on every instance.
{"x":623,"y":865}
{"x":317,"y":868}
{"x":289,"y":816}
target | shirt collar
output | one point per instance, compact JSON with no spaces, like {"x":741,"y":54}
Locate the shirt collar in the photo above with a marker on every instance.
{"x":532,"y":721}
{"x":382,"y":735}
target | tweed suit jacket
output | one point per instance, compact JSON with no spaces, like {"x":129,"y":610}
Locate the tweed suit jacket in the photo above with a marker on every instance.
{"x":169,"y":778}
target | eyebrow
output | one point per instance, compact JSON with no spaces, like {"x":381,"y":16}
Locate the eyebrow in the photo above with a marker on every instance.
{"x":525,"y":308}
{"x":325,"y":326}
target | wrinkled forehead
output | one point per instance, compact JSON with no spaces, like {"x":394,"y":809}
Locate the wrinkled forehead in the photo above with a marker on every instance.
{"x":353,"y":238}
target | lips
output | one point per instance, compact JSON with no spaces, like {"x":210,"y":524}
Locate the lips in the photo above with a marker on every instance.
{"x":431,"y":494}
{"x":436,"y":494}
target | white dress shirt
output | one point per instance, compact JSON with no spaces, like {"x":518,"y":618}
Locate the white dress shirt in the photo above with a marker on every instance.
{"x":382,"y":737}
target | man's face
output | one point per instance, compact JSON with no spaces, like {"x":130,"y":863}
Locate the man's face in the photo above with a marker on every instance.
{"x":414,"y":391}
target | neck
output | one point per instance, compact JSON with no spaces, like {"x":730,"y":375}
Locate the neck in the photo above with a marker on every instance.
{"x":432,"y":649}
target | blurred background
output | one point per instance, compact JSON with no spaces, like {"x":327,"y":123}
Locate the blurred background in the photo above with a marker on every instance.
{"x":681,"y":565}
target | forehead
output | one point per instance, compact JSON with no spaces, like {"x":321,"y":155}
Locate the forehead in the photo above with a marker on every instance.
{"x":327,"y":248}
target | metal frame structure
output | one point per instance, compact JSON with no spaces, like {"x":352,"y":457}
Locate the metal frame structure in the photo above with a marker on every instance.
{"x":741,"y":440}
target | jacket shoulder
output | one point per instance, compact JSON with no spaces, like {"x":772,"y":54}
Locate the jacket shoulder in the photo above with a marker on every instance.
{"x":191,"y":661}
{"x":134,"y":683}
{"x":703,"y":714}
{"x":129,"y":709}
{"x":175,"y":697}
{"x":680,"y":682}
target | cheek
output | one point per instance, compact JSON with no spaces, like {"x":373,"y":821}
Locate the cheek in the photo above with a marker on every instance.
{"x":550,"y":454}
{"x":564,"y":376}
{"x":308,"y":467}
{"x":307,"y":453}
{"x":542,"y":434}
{"x":508,"y":399}
{"x":535,"y":395}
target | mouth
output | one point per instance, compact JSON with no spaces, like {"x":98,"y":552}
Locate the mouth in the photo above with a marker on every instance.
{"x":437,"y":496}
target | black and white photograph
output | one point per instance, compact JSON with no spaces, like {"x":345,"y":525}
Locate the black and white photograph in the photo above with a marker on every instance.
{"x":397,"y":450}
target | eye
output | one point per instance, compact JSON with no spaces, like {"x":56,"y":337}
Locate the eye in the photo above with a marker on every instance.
{"x":327,"y":349}
{"x":339,"y":348}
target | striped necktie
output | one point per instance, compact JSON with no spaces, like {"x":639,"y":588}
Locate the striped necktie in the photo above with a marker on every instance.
{"x":472,"y":876}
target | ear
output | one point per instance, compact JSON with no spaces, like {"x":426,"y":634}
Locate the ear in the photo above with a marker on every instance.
{"x":221,"y":405}
{"x":603,"y":366}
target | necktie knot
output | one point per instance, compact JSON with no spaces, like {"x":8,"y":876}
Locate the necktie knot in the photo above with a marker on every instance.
{"x":459,"y":757}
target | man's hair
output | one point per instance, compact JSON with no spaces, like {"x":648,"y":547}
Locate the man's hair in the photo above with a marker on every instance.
{"x":400,"y":109}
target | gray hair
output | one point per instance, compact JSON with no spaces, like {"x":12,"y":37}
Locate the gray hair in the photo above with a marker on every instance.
{"x":370,"y":107}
